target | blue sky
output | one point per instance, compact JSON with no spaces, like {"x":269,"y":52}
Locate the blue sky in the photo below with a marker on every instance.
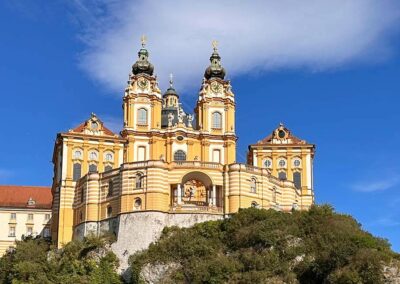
{"x":339,"y":90}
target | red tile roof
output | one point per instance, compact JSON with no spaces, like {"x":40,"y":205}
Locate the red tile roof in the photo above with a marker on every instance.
{"x":17,"y":196}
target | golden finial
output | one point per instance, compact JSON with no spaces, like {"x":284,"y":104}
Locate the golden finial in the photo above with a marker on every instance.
{"x":171,"y":81}
{"x":214,"y":45}
{"x":143,"y":39}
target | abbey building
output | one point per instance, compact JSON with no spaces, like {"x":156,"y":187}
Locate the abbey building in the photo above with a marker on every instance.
{"x":171,"y":165}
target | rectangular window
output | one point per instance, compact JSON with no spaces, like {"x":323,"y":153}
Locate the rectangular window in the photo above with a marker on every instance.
{"x":11,"y":231}
{"x":297,"y":179}
{"x":30,"y":217}
{"x":47,"y":217}
{"x":216,"y":156}
{"x":29,"y":231}
{"x":76,"y":174}
{"x":13,"y":216}
{"x":141,"y":153}
{"x":142,"y":116}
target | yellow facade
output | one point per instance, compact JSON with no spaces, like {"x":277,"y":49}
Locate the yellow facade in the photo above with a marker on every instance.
{"x":170,"y":161}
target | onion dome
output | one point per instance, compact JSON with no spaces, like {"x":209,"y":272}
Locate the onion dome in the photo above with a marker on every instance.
{"x":215,"y":70}
{"x":142,"y":65}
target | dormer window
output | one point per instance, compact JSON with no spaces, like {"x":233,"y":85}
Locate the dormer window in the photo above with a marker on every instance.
{"x":31,"y":202}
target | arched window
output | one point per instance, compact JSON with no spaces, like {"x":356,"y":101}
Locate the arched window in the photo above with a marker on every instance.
{"x":297,"y":179}
{"x":268,"y":163}
{"x":282,"y":175}
{"x":138,"y":203}
{"x":78,"y":154}
{"x":93,"y":156}
{"x":180,"y":156}
{"x":253,"y":185}
{"x":92,"y":168}
{"x":139,"y":180}
{"x":109,"y":211}
{"x":142,"y":116}
{"x":76,"y":173}
{"x":282,"y":163}
{"x":110,"y":188}
{"x":216,"y":120}
{"x":297,"y":163}
{"x":107,"y":168}
{"x":108,"y":157}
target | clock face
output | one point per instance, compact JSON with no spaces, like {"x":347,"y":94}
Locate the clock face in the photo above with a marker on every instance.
{"x":143,"y":83}
{"x":215,"y":87}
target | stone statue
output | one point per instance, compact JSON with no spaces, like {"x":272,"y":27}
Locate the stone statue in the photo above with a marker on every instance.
{"x":171,"y":117}
{"x":180,"y":116}
{"x":190,"y":120}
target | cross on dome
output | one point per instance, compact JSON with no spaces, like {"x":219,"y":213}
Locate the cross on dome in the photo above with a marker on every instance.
{"x":171,"y":81}
{"x":143,"y":40}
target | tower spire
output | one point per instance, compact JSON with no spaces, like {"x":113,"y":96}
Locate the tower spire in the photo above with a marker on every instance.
{"x":142,"y":65}
{"x":215,"y":70}
{"x":171,"y":81}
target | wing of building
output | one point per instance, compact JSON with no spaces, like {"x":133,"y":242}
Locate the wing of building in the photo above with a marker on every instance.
{"x":24,"y":210}
{"x":171,"y":162}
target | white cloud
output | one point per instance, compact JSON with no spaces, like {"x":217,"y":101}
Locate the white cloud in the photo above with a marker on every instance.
{"x":377,"y":185}
{"x":254,"y":36}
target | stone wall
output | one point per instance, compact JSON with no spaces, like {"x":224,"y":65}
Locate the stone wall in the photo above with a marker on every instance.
{"x":136,"y":231}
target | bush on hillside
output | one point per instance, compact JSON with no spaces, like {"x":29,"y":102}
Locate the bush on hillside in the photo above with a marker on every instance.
{"x":266,"y":246}
{"x":34,"y":261}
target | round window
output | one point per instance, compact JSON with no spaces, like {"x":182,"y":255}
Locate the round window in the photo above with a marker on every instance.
{"x":267,"y":163}
{"x":297,"y":163}
{"x":281,"y":134}
{"x":282,"y":163}
{"x":138,"y":203}
{"x":179,"y":138}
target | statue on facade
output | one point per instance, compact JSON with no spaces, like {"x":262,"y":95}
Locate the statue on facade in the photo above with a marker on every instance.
{"x":171,"y":117}
{"x":190,"y":120}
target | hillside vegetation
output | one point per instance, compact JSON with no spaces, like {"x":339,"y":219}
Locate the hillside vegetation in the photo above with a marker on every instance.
{"x":266,"y":246}
{"x":34,"y":261}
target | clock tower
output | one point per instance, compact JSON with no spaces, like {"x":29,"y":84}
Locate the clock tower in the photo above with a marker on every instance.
{"x":215,"y":108}
{"x":142,"y":105}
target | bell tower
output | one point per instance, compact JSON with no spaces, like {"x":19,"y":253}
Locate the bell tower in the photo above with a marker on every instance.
{"x":215,"y":110}
{"x":142,"y":105}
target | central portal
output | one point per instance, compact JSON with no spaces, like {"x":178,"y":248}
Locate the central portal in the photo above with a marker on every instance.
{"x":194,"y":192}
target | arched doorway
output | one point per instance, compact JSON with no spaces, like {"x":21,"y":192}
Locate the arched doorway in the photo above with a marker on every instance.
{"x":195,"y":190}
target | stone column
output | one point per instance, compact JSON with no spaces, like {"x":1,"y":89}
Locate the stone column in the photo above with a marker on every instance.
{"x":179,"y":194}
{"x":214,"y":195}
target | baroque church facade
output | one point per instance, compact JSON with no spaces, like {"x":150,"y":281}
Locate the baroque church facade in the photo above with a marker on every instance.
{"x":175,"y":165}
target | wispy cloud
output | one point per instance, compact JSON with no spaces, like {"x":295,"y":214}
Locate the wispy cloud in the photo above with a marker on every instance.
{"x":377,"y":185}
{"x":254,"y":35}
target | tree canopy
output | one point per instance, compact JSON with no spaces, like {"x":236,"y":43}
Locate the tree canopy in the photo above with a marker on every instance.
{"x":266,"y":246}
